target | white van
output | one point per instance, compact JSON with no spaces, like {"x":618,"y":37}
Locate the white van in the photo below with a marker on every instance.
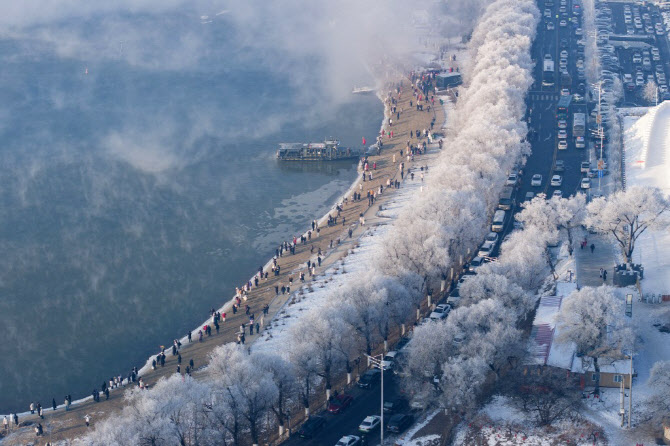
{"x":498,"y":221}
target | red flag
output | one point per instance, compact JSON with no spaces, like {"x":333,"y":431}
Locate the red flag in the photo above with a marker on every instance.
{"x":364,"y":140}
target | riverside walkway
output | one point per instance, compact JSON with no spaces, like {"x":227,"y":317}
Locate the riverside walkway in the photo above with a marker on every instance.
{"x":61,"y":425}
{"x":589,"y":263}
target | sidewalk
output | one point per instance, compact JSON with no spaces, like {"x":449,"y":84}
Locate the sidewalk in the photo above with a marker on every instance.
{"x":589,"y":264}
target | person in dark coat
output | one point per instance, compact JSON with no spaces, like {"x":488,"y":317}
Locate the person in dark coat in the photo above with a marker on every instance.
{"x":53,"y":403}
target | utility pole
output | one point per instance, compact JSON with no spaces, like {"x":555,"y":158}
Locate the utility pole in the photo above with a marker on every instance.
{"x":622,"y":410}
{"x":378,"y":360}
{"x":630,"y":395}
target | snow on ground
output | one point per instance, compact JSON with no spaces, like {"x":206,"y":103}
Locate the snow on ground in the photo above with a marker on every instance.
{"x":500,"y":423}
{"x":316,"y":293}
{"x":647,"y":148}
{"x":416,"y":428}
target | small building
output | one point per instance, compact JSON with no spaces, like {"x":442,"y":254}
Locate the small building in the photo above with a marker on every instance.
{"x":546,"y":350}
{"x":448,"y":80}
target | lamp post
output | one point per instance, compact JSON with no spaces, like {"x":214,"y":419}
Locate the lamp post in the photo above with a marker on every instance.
{"x":378,"y":360}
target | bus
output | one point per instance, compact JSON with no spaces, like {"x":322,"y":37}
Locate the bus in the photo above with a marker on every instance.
{"x":548,"y":73}
{"x":563,"y":106}
{"x":498,"y":221}
{"x":578,"y":124}
{"x":506,"y":198}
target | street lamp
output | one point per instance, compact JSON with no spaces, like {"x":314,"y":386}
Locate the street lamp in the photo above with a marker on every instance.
{"x":378,"y":360}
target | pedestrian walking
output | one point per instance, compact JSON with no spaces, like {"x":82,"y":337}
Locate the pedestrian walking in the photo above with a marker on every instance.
{"x":5,"y":423}
{"x":53,"y":403}
{"x":593,"y":247}
{"x":189,"y":337}
{"x":605,"y":276}
{"x":16,"y":420}
{"x":32,"y":408}
{"x":192,"y":364}
{"x":601,"y":273}
{"x":87,"y":420}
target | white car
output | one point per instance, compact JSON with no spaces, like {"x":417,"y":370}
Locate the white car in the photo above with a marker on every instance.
{"x":563,"y":23}
{"x":562,"y":134}
{"x":586,"y":183}
{"x":580,"y":143}
{"x":562,"y":124}
{"x":492,"y":237}
{"x":558,"y":194}
{"x":486,"y":249}
{"x":556,"y":181}
{"x":389,"y":360}
{"x":349,"y":440}
{"x":370,"y":423}
{"x":512,"y":179}
{"x":441,"y":311}
{"x":562,"y":144}
{"x":550,"y":26}
{"x":565,"y":92}
{"x":564,"y":53}
{"x":536,"y":180}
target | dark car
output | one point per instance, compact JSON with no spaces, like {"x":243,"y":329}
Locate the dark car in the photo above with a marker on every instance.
{"x":368,"y":378}
{"x":310,"y":427}
{"x":395,"y":405}
{"x":339,"y":403}
{"x":399,"y":422}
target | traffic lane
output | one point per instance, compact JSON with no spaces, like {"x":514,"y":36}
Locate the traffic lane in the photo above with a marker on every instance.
{"x":366,"y":402}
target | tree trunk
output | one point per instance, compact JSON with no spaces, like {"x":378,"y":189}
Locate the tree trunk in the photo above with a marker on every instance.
{"x":596,"y":367}
{"x":570,"y":243}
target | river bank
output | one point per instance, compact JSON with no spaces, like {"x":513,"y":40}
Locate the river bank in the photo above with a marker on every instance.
{"x":62,"y":425}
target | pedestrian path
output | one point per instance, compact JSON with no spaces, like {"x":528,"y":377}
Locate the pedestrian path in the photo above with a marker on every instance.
{"x":589,"y":262}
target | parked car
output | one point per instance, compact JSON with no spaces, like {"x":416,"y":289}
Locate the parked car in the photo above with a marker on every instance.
{"x":311,"y":426}
{"x":395,"y":405}
{"x":369,"y":378}
{"x":492,"y":237}
{"x":399,"y":423}
{"x":370,"y":423}
{"x":486,"y":249}
{"x":530,"y":196}
{"x":340,"y":403}
{"x":557,"y":194}
{"x":441,"y":311}
{"x":389,"y":360}
{"x":512,"y":179}
{"x":472,"y":267}
{"x":556,"y":181}
{"x":536,"y":180}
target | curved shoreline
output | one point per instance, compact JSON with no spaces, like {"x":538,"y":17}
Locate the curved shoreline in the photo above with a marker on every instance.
{"x":290,"y":265}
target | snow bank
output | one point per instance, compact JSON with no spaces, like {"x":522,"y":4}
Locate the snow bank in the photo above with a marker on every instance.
{"x":647,"y":149}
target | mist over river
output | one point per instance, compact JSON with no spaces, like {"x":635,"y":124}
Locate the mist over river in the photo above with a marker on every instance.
{"x":138,"y":184}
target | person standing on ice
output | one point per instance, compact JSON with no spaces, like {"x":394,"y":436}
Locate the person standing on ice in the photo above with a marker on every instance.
{"x":32,"y":408}
{"x":53,"y":403}
{"x":87,"y":420}
{"x":5,"y":423}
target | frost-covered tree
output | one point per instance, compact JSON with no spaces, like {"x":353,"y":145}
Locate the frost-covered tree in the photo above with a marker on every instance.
{"x":318,"y":332}
{"x":593,"y":319}
{"x":463,"y":378}
{"x":522,"y":260}
{"x":658,"y":404}
{"x":650,"y":92}
{"x":626,"y":215}
{"x":494,"y":286}
{"x":251,"y":389}
{"x":284,"y":377}
{"x":306,"y":369}
{"x":362,"y":310}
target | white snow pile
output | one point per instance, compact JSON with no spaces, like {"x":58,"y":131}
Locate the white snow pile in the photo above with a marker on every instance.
{"x":647,"y":148}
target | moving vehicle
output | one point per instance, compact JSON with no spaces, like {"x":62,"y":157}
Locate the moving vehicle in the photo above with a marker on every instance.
{"x":557,"y":194}
{"x":585,"y":167}
{"x":370,"y":423}
{"x":311,"y":426}
{"x":498,"y":221}
{"x":578,"y":124}
{"x":349,"y":440}
{"x":556,"y":181}
{"x":399,"y":423}
{"x":580,"y":142}
{"x":506,"y":201}
{"x":562,"y":134}
{"x":563,"y":106}
{"x":536,"y":181}
{"x":512,"y":179}
{"x":559,"y":166}
{"x":441,"y":311}
{"x":548,"y":73}
{"x":562,"y":144}
{"x":585,"y":183}
{"x":369,"y":378}
{"x":340,"y":403}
